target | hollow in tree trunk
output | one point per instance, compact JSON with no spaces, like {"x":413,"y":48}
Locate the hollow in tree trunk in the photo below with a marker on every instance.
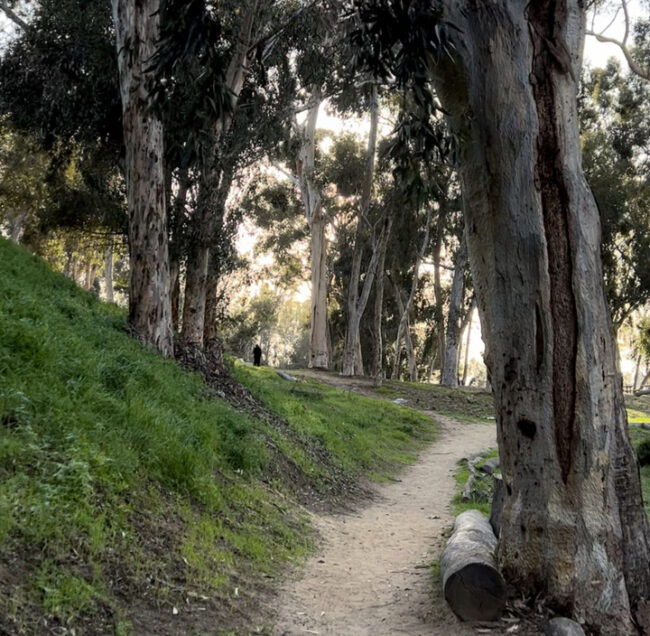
{"x":574,"y":528}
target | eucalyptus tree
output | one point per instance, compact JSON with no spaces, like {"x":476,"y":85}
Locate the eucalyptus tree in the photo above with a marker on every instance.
{"x":310,"y":67}
{"x":615,"y":138}
{"x":137,"y":31}
{"x":574,"y":528}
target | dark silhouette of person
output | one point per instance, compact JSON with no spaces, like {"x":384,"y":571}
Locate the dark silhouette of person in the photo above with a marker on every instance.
{"x":257,"y":355}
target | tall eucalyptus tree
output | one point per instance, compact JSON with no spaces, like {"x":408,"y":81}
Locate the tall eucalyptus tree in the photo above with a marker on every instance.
{"x":574,"y":528}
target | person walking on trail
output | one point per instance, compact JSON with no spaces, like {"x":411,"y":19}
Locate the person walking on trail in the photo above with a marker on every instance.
{"x":257,"y":355}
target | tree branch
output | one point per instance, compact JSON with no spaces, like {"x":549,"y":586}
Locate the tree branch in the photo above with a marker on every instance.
{"x":621,"y":44}
{"x":13,"y":16}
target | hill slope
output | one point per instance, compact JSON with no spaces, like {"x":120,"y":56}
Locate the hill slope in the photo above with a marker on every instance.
{"x":134,"y":501}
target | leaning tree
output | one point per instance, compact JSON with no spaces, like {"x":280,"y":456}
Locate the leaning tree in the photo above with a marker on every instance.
{"x":574,"y":527}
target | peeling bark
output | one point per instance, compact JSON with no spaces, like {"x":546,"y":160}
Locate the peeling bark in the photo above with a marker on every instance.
{"x":137,"y":30}
{"x":319,"y":357}
{"x":574,"y":528}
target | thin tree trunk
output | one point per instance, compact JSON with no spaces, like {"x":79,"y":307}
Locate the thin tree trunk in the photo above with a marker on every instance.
{"x":108,"y":273}
{"x":177,"y":220}
{"x":406,"y":308}
{"x":454,"y":319}
{"x":574,"y":528}
{"x":378,"y":340}
{"x":137,"y":31}
{"x":17,"y":225}
{"x":203,"y":224}
{"x":88,"y":277}
{"x":356,"y":302}
{"x":215,"y":266}
{"x":403,"y":332}
{"x":410,"y":352}
{"x":470,"y":315}
{"x":438,"y":307}
{"x":175,"y":286}
{"x":637,"y":369}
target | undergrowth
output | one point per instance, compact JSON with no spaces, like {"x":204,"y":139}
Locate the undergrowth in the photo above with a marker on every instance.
{"x":131,"y":501}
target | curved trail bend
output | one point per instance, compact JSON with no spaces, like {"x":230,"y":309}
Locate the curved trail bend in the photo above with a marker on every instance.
{"x":371,"y":574}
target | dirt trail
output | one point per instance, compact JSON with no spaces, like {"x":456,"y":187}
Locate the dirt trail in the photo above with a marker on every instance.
{"x":371,"y":572}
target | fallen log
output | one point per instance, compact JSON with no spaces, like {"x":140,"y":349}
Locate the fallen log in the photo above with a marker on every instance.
{"x":471,"y":582}
{"x":644,"y":391}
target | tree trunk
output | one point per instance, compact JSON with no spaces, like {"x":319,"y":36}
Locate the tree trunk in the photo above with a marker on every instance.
{"x":405,"y":309}
{"x":203,"y":223}
{"x":177,"y":219}
{"x":454,"y":319}
{"x":211,"y":307}
{"x":175,"y":287}
{"x":137,"y":31}
{"x":88,"y":277}
{"x":377,"y":370}
{"x":17,"y":225}
{"x":356,"y":302}
{"x":410,"y":352}
{"x":108,"y":273}
{"x":637,"y":369}
{"x":438,"y":308}
{"x":574,"y":528}
{"x":318,"y":352}
{"x":470,"y":314}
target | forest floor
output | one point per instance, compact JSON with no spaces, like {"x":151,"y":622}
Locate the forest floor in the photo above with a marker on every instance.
{"x":372,"y":572}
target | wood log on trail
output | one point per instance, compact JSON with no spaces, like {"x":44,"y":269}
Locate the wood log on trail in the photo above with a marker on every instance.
{"x":472,"y":584}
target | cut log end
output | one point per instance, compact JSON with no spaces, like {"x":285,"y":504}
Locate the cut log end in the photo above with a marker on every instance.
{"x":472,"y":583}
{"x":476,"y":593}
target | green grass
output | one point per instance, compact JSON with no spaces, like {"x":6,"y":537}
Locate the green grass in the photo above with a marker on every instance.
{"x":485,"y":481}
{"x":125,"y":488}
{"x":362,"y":434}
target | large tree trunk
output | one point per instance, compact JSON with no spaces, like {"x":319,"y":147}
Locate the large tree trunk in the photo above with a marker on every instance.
{"x":356,"y":302}
{"x":203,"y":223}
{"x":454,"y":319}
{"x":137,"y":31}
{"x":574,"y":528}
{"x":319,"y":357}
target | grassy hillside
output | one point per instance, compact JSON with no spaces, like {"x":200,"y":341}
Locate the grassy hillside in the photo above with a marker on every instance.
{"x":132,"y":500}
